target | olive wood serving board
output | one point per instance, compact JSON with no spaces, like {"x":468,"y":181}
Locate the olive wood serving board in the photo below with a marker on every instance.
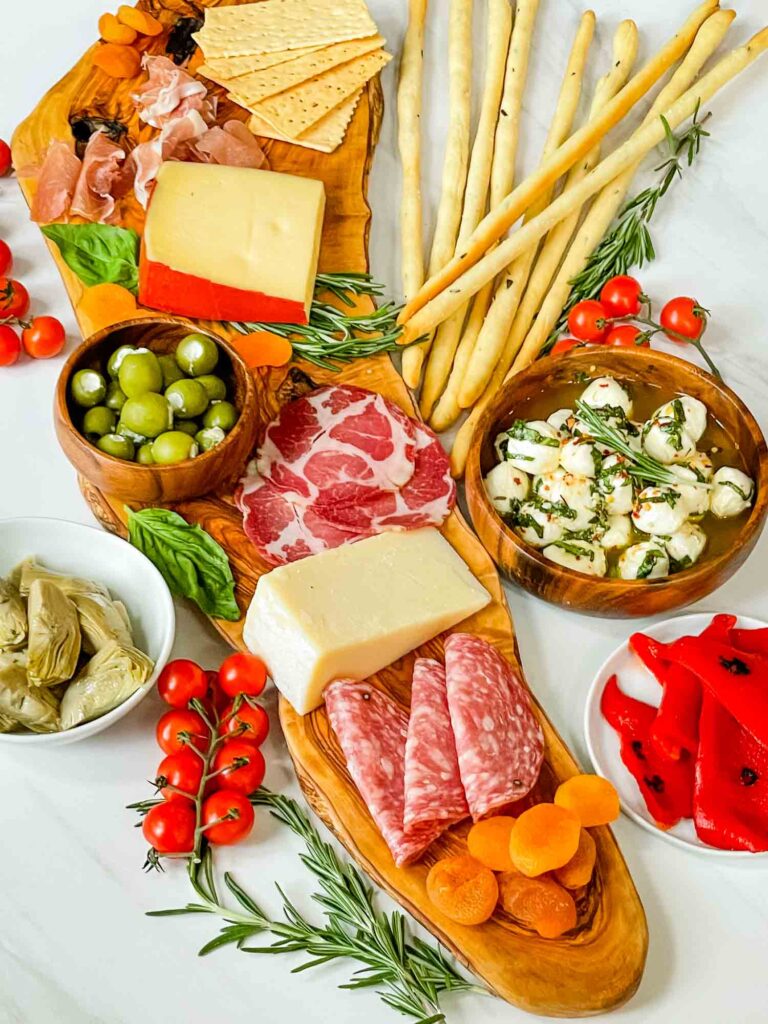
{"x":599,"y":964}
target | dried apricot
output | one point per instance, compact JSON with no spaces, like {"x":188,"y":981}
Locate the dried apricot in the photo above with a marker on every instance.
{"x":141,"y":21}
{"x":578,"y":870}
{"x":543,"y":838}
{"x":117,"y":61}
{"x":538,"y":903}
{"x":113,"y":31}
{"x":592,"y":799}
{"x":102,"y":305}
{"x":488,"y":842}
{"x":463,"y":889}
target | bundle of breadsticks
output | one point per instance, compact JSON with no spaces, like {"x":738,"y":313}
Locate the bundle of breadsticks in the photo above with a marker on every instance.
{"x":483,"y":304}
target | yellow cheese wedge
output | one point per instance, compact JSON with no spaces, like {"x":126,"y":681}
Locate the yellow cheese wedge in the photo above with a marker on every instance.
{"x":349,"y":612}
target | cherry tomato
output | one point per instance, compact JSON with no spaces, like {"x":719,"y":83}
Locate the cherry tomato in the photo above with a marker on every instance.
{"x":232,"y":806}
{"x":10,"y":345}
{"x":587,"y":321}
{"x":241,"y":764}
{"x":5,"y":157}
{"x":183,"y":771}
{"x":250,"y":721}
{"x":627,"y":336}
{"x":44,"y":338}
{"x":180,"y":681}
{"x":242,"y":673}
{"x":622,"y":296}
{"x":170,"y":827}
{"x":180,"y":723}
{"x":683,"y":316}
{"x":6,"y":258}
{"x":14,"y":298}
{"x":566,"y":345}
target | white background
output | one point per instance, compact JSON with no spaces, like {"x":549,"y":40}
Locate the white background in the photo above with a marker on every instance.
{"x":75,"y":947}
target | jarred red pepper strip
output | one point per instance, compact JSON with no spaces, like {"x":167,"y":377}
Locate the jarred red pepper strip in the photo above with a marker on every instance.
{"x":754,"y":641}
{"x":666,"y":785}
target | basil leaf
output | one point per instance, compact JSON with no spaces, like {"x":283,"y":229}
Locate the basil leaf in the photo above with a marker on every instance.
{"x":98,"y":253}
{"x":191,"y":562}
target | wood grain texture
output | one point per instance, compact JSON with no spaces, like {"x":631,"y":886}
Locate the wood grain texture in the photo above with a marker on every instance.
{"x":598,"y":965}
{"x":614,"y":598}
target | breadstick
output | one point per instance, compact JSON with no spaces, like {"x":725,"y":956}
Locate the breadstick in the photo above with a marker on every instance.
{"x":502,"y":178}
{"x":455,"y":162}
{"x":510,"y":285}
{"x":634,"y":149}
{"x":476,"y":193}
{"x":580,"y":143}
{"x":605,"y":208}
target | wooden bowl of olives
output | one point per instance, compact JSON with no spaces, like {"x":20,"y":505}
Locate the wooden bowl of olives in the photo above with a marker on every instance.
{"x":156,"y":409}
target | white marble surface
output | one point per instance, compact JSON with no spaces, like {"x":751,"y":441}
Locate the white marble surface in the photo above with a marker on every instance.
{"x":75,"y":947}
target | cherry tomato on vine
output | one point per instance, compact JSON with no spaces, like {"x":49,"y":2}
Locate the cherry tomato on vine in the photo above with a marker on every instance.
{"x":184,"y":771}
{"x":6,"y":258}
{"x":235,"y":808}
{"x":250,"y":721}
{"x":5,"y":157}
{"x":587,"y":321}
{"x":241,"y":764}
{"x":170,"y":827}
{"x":10,"y":345}
{"x":14,"y":298}
{"x":44,"y":338}
{"x":685,"y":316}
{"x":175,"y":725}
{"x":622,"y":296}
{"x":566,"y":345}
{"x":242,"y":673}
{"x":626,"y":336}
{"x":180,"y":681}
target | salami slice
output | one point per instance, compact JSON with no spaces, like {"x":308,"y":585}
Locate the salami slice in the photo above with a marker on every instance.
{"x":433,"y":790}
{"x":371,"y":729}
{"x":499,"y":743}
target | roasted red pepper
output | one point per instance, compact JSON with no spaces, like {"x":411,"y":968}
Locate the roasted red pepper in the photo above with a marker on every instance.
{"x":754,"y":641}
{"x":666,"y":784}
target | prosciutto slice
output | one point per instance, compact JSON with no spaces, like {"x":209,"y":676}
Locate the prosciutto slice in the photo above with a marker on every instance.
{"x":371,"y":729}
{"x":56,"y":183}
{"x":102,"y":163}
{"x":499,"y":742}
{"x":169,"y":93}
{"x":434,"y":794}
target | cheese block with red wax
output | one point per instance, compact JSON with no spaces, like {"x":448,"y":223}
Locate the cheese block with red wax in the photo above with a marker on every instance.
{"x":231,"y":243}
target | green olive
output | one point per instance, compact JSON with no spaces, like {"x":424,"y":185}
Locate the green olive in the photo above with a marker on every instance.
{"x":197,"y":354}
{"x":187,"y":398}
{"x":190,"y":427}
{"x":132,"y":435}
{"x":99,"y":421}
{"x":140,"y":372}
{"x":171,"y":370}
{"x":173,"y":446}
{"x":209,"y":438}
{"x":214,"y":386}
{"x":221,"y":414}
{"x":114,"y":361}
{"x":117,"y":445}
{"x":148,"y":414}
{"x":88,"y":388}
{"x":144,"y":455}
{"x":115,"y":396}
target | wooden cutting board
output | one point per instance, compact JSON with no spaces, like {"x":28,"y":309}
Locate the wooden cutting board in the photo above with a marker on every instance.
{"x":598,"y":965}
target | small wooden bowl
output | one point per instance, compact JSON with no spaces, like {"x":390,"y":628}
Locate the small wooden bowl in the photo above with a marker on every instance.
{"x":128,"y":480}
{"x":613,"y":598}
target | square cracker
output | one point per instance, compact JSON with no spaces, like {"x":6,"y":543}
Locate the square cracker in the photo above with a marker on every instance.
{"x":325,"y":135}
{"x":282,"y":25}
{"x":232,"y":67}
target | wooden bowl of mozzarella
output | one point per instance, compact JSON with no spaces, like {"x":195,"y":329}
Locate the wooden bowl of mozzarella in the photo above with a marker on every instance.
{"x":731,"y":438}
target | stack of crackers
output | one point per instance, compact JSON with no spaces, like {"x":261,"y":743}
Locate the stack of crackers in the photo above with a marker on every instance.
{"x":299,"y":66}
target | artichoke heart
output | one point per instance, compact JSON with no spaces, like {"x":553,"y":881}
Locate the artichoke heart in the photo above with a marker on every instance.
{"x":101,"y":621}
{"x":110,"y":677}
{"x":23,"y":704}
{"x":54,"y":635}
{"x":13,"y":617}
{"x":30,"y":570}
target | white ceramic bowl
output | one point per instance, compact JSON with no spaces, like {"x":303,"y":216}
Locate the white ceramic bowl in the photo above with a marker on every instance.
{"x":603,"y":741}
{"x":129,"y":576}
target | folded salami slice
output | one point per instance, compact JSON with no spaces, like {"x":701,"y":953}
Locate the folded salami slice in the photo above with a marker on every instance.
{"x":499,"y":743}
{"x":371,"y":729}
{"x":434,"y":794}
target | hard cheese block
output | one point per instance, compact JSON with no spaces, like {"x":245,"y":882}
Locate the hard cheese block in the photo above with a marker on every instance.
{"x":349,"y":612}
{"x":231,"y":243}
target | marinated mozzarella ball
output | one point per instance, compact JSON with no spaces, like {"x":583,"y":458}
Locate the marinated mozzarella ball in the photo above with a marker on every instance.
{"x":580,"y":555}
{"x":732,"y":492}
{"x":689,"y":411}
{"x":537,"y":526}
{"x":559,"y":420}
{"x":576,"y":494}
{"x":581,"y":456}
{"x":532,"y":446}
{"x":506,"y":485}
{"x":618,"y":533}
{"x":698,"y":469}
{"x":686,"y":546}
{"x":605,"y":391}
{"x":659,"y":510}
{"x":646,"y":561}
{"x":615,"y":485}
{"x":667,"y":440}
